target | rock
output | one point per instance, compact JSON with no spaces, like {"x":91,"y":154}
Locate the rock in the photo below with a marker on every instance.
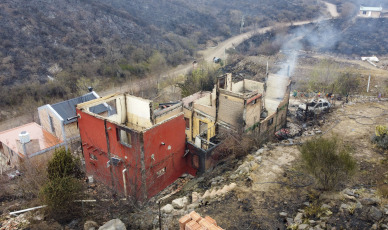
{"x":311,"y":222}
{"x":167,"y":208}
{"x":90,"y":225}
{"x":192,"y":206}
{"x":384,"y":226}
{"x":325,"y":206}
{"x":194,"y":197}
{"x":375,"y":213}
{"x":348,"y":192}
{"x":349,"y":197}
{"x":260,"y":151}
{"x":298,"y":218}
{"x":307,"y":204}
{"x":303,"y":226}
{"x":114,"y":224}
{"x":258,"y":159}
{"x":290,"y":221}
{"x":370,"y":201}
{"x":359,"y":205}
{"x":317,"y":228}
{"x":283,"y":214}
{"x":374,"y":227}
{"x":180,"y":202}
{"x":344,"y":206}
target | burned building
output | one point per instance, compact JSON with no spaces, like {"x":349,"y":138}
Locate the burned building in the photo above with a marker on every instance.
{"x":246,"y":105}
{"x":138,"y":150}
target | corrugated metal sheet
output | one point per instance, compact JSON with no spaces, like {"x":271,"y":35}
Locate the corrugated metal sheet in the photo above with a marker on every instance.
{"x":66,"y":109}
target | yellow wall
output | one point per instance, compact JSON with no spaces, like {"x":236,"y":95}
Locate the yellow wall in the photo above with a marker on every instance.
{"x":211,"y":132}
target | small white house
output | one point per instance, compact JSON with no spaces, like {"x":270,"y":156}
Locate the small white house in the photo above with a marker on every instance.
{"x":370,"y":12}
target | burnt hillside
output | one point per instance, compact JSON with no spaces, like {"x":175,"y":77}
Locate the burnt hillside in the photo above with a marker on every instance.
{"x":362,"y":37}
{"x":116,"y":40}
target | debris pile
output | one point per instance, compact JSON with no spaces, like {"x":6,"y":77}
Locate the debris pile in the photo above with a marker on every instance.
{"x":19,"y":222}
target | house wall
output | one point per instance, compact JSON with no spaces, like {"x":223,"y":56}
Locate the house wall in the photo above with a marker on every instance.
{"x":13,"y":157}
{"x":44,"y":112}
{"x":231,"y":110}
{"x":369,"y":14}
{"x":188,"y":114}
{"x":139,"y":112}
{"x":142,"y":175}
{"x":253,"y":111}
{"x":71,"y":130}
{"x":210,"y":121}
{"x":164,"y":149}
{"x":95,"y":149}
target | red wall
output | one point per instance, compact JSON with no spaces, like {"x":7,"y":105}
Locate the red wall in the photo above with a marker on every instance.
{"x":172,"y":133}
{"x":169,"y":156}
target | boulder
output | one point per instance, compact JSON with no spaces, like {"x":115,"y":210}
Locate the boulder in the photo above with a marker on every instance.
{"x":90,"y":225}
{"x":303,"y":226}
{"x":375,"y":214}
{"x":283,"y":214}
{"x":370,"y":201}
{"x":114,"y":224}
{"x":167,"y":208}
{"x":298,"y":218}
{"x":180,"y":202}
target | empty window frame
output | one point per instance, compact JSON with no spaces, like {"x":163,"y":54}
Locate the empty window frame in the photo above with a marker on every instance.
{"x":51,"y":124}
{"x":92,"y":156}
{"x":270,"y":122}
{"x":187,"y":121}
{"x":124,"y":137}
{"x":161,"y":172}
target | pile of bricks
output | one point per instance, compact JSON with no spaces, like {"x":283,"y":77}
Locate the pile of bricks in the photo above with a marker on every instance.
{"x":193,"y":221}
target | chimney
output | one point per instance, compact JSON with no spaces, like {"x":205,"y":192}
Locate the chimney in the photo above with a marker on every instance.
{"x":24,"y":138}
{"x":90,"y":89}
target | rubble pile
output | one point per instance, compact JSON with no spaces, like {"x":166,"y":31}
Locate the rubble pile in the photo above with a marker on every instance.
{"x":15,"y":223}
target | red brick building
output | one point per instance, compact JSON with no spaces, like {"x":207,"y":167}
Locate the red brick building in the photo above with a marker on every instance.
{"x":137,"y":150}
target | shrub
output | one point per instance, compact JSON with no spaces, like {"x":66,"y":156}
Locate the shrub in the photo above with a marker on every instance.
{"x":63,"y":186}
{"x":328,"y":160}
{"x":380,"y":138}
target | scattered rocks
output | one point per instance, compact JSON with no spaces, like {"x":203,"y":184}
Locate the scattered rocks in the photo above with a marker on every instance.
{"x":114,"y":224}
{"x":303,"y":226}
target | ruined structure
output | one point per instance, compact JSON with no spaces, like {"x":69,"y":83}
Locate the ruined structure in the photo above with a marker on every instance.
{"x":137,"y":150}
{"x":246,"y":105}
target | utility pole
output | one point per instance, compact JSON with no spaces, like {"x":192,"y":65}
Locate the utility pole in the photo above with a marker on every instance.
{"x":242,"y":24}
{"x":367,"y":88}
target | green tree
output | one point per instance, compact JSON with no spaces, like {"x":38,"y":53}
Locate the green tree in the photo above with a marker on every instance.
{"x":347,"y":83}
{"x":328,"y":160}
{"x":63,"y":187}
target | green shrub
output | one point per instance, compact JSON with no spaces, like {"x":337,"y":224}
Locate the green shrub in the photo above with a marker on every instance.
{"x":63,"y":187}
{"x":328,"y":160}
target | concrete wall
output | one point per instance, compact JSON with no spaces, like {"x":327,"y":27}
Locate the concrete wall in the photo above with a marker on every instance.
{"x":369,"y":14}
{"x":139,"y":112}
{"x":44,"y":112}
{"x":253,"y":111}
{"x":231,"y":110}
{"x":209,"y":121}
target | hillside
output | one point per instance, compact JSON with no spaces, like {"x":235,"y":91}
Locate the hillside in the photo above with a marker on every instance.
{"x":55,"y":46}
